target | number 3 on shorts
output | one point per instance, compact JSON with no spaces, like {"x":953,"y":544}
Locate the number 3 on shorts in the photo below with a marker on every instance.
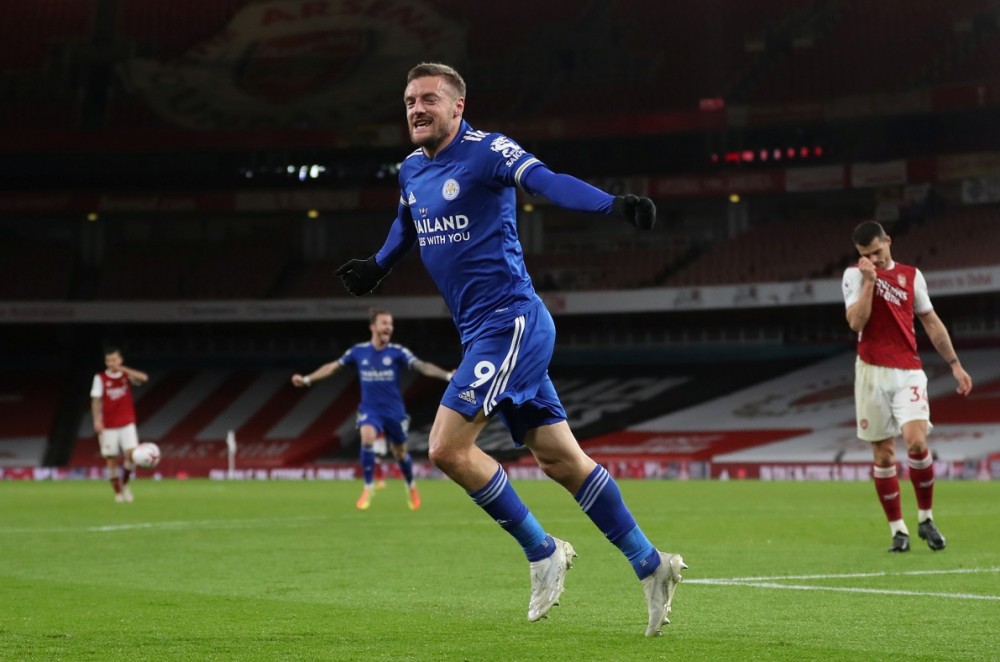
{"x":484,"y":370}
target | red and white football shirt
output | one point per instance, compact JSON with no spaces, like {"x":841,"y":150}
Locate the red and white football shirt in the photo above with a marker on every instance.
{"x":888,"y":338}
{"x":115,"y":391}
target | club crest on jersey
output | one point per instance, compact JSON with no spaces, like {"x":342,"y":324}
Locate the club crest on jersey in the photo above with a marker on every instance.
{"x":386,"y":360}
{"x":901,"y":279}
{"x":450,"y":189}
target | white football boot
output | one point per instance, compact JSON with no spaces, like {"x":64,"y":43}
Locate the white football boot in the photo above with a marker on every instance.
{"x":659,"y":588}
{"x":127,"y":494}
{"x":547,"y":577}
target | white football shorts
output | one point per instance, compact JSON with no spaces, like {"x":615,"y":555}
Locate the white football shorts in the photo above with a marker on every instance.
{"x":118,"y":440}
{"x":887,"y":398}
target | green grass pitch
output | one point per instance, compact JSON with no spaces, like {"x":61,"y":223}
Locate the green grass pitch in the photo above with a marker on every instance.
{"x":202,"y":570}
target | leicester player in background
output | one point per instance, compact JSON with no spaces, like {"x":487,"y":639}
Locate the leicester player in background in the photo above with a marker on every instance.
{"x":458,"y":204}
{"x":381,"y":412}
{"x":113,"y":410}
{"x":890,"y":388}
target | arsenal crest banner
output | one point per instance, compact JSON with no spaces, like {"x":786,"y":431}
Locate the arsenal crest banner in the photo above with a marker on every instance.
{"x":289,"y":64}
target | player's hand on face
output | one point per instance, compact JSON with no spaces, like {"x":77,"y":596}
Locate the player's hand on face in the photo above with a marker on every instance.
{"x":297,"y":380}
{"x":867,"y":268}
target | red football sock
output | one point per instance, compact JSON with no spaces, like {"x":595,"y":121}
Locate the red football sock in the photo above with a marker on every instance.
{"x":922,"y":477}
{"x":887,"y":488}
{"x":116,"y":483}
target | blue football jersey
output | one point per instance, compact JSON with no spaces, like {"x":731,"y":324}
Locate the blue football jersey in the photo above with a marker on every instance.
{"x":463,"y":206}
{"x":379,"y":371}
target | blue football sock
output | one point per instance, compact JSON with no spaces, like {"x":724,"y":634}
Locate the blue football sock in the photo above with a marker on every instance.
{"x":501,"y":502}
{"x":368,"y":465}
{"x":601,"y":499}
{"x":406,"y":467}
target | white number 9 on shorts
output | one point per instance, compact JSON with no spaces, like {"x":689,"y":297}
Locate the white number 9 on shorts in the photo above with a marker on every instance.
{"x":484,"y":370}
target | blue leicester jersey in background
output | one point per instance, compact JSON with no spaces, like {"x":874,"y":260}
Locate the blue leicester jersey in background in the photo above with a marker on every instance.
{"x":379,"y":371}
{"x":463,"y":209}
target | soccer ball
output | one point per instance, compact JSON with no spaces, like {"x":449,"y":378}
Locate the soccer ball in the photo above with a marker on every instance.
{"x":146,"y":455}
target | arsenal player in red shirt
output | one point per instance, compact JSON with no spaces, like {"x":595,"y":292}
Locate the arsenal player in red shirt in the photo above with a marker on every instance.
{"x":114,"y":418}
{"x":890,"y":388}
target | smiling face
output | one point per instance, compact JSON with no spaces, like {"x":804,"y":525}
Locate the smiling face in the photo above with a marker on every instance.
{"x":877,"y":252}
{"x":381,"y":330}
{"x":433,"y":113}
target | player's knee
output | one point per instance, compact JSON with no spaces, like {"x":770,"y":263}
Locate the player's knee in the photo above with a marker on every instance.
{"x":556,"y":468}
{"x":441,"y":456}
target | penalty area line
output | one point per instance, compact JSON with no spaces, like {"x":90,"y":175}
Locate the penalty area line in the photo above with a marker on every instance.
{"x":855,"y":575}
{"x":775,"y":583}
{"x":850,"y":589}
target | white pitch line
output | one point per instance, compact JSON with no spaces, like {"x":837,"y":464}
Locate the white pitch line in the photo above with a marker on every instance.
{"x":773,"y":582}
{"x":853,"y":575}
{"x":848,"y":589}
{"x":179,"y":524}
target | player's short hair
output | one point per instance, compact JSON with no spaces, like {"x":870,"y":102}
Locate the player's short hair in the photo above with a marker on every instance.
{"x":374,"y":312}
{"x":867,"y":232}
{"x":112,"y":349}
{"x":453,"y":78}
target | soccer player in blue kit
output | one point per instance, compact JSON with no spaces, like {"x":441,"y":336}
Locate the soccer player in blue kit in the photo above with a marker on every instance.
{"x":381,"y":412}
{"x":458,"y":204}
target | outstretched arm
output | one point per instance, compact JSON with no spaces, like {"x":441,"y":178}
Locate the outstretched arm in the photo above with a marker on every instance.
{"x":572,"y":193}
{"x":360,"y":277}
{"x":316,"y":375}
{"x":401,"y":238}
{"x":428,"y":369}
{"x":938,"y":334}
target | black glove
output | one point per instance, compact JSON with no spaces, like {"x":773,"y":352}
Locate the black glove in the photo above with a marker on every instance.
{"x":640,"y":212}
{"x":360,"y":277}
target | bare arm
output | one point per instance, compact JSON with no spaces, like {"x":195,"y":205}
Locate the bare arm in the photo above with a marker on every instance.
{"x":938,"y":334}
{"x":861,"y":310}
{"x":135,"y":376}
{"x":97,"y":413}
{"x":428,"y":369}
{"x":316,"y":375}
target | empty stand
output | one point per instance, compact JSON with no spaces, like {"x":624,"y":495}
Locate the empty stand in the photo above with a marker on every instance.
{"x":777,"y":251}
{"x":963,"y":238}
{"x":868,"y":48}
{"x":30,"y":30}
{"x":37,"y":271}
{"x":166,"y":30}
{"x":233,"y":270}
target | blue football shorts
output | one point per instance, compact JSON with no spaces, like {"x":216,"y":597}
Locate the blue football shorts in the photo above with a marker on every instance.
{"x":393,"y":428}
{"x":505,"y":372}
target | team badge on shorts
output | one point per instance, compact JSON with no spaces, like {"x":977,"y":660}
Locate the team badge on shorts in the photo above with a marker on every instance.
{"x":864,"y":423}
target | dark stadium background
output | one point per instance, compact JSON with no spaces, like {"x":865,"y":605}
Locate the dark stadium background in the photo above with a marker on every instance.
{"x":182,"y":178}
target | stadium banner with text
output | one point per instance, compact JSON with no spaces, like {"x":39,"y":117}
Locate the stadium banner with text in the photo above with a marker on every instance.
{"x":955,"y":282}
